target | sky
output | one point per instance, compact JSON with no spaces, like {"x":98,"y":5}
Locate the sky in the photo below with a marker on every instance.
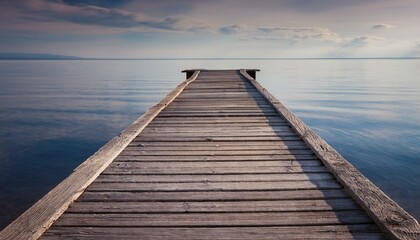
{"x":212,"y":28}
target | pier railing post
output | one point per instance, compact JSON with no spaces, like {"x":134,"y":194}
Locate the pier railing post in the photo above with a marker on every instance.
{"x":252,"y":73}
{"x":190,"y":72}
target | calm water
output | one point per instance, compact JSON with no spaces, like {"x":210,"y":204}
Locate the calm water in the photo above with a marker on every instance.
{"x":54,"y":114}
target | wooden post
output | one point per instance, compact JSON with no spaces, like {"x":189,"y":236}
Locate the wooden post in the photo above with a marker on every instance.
{"x":190,"y":72}
{"x":252,"y":73}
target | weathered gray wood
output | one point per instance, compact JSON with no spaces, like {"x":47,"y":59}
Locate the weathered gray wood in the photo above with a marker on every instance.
{"x":217,"y":125}
{"x":141,"y":152}
{"x":215,"y":219}
{"x":165,"y":148}
{"x":215,"y":138}
{"x":216,"y":170}
{"x":204,"y":129}
{"x":221,"y":119}
{"x":215,"y":158}
{"x":215,"y":164}
{"x":280,"y":133}
{"x":211,"y":108}
{"x":223,"y":206}
{"x":33,"y":222}
{"x":174,"y":146}
{"x":188,"y":94}
{"x":360,"y":231}
{"x":215,"y":178}
{"x":220,"y":106}
{"x":228,"y":112}
{"x":390,"y":217}
{"x":214,"y":186}
{"x":120,"y":196}
{"x":215,"y":114}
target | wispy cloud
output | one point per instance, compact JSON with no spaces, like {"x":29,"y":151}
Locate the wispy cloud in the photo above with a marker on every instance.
{"x":382,"y":26}
{"x":362,"y":41}
{"x":44,"y":10}
{"x":232,"y":29}
{"x":296,"y":34}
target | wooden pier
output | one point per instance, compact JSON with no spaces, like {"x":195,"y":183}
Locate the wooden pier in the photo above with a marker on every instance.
{"x":218,"y":158}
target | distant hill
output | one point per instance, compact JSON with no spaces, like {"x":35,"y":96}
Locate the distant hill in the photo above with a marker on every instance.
{"x":35,"y":56}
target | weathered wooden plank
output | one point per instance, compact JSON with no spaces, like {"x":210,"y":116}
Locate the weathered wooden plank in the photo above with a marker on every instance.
{"x":140,"y":152}
{"x":215,"y":145}
{"x":215,"y":114}
{"x":215,"y":164}
{"x":193,"y":124}
{"x":219,"y":111}
{"x":212,"y":120}
{"x":222,"y":144}
{"x":219,"y":103}
{"x":217,"y":158}
{"x":239,"y":100}
{"x":217,"y":170}
{"x":33,"y":222}
{"x":285,"y":133}
{"x":389,"y":216}
{"x":216,"y":124}
{"x":222,"y":119}
{"x":216,"y":178}
{"x":359,"y":231}
{"x":165,"y":148}
{"x":215,"y":138}
{"x":115,"y":196}
{"x":253,"y":93}
{"x":220,"y":90}
{"x":221,"y":97}
{"x":215,"y":219}
{"x":205,"y":129}
{"x":196,"y":108}
{"x":214,"y":186}
{"x":205,"y":207}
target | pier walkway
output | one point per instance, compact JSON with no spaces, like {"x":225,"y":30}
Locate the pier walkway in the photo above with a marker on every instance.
{"x":218,"y":158}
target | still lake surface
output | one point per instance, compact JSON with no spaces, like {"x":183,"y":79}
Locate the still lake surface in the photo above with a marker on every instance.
{"x":55,"y":114}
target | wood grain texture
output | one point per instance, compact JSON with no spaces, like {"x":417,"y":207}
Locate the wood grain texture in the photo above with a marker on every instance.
{"x":215,"y":206}
{"x":213,"y":186}
{"x":222,"y":158}
{"x":360,"y":231}
{"x":389,"y":216}
{"x":33,"y":222}
{"x":119,"y":196}
{"x":213,"y":219}
{"x":214,"y":178}
{"x":217,"y":170}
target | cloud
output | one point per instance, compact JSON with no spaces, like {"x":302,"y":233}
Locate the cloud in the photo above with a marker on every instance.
{"x":102,"y":3}
{"x":297,"y":34}
{"x":84,"y":14}
{"x":415,"y":50}
{"x":232,"y":29}
{"x":382,"y":26}
{"x":362,"y":41}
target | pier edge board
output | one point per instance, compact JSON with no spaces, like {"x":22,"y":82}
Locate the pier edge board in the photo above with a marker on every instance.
{"x":393,"y":220}
{"x":38,"y":218}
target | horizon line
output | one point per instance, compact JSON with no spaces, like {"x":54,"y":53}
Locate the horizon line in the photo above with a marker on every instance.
{"x":212,"y":58}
